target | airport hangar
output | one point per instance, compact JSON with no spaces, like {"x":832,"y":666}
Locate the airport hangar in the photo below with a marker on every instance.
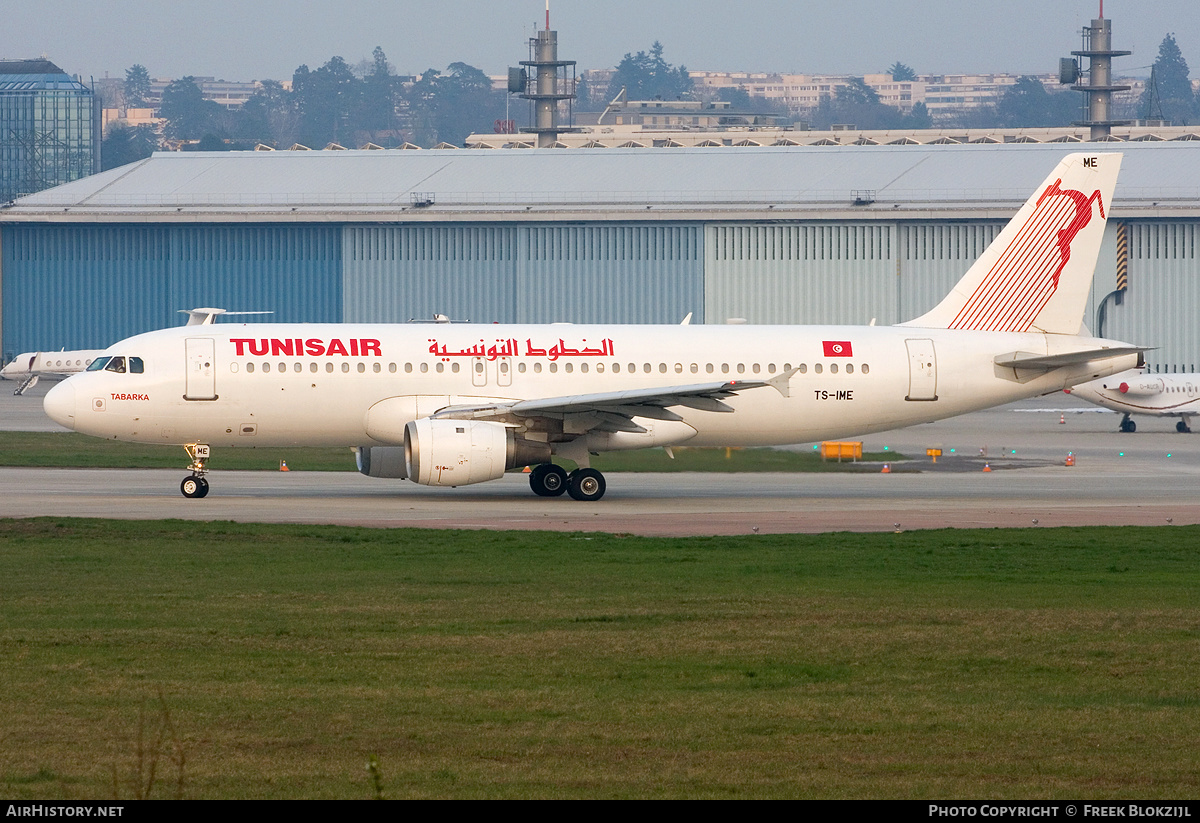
{"x":813,"y":234}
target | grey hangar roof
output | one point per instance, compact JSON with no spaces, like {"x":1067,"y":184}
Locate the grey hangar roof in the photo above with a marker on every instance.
{"x":1158,"y":179}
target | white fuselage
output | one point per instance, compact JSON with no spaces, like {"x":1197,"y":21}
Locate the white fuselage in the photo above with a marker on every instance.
{"x":1137,"y":392}
{"x":316,"y":384}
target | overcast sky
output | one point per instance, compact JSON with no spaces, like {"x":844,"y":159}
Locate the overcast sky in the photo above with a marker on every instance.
{"x":268,"y":39}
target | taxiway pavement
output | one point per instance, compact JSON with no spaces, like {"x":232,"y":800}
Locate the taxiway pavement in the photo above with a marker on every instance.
{"x":1148,"y":478}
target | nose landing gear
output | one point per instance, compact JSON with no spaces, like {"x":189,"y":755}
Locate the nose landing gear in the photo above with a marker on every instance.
{"x":196,"y":485}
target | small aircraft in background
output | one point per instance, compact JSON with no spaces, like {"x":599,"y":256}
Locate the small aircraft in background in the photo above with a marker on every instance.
{"x":1139,"y":392}
{"x":30,"y":366}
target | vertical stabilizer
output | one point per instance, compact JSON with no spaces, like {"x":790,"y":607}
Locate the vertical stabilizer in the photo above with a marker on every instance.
{"x":1036,"y":274}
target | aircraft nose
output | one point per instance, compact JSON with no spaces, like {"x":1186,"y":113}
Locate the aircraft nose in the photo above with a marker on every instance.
{"x":59,"y":404}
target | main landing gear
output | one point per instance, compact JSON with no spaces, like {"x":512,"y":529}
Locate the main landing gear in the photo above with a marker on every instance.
{"x":550,"y":480}
{"x":1128,"y":425}
{"x":196,"y":485}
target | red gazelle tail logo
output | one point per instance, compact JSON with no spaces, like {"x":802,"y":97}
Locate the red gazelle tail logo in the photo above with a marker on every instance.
{"x":1025,"y":276}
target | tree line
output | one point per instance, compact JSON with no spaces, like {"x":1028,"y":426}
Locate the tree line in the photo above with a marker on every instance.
{"x":334,"y":103}
{"x":353,"y":105}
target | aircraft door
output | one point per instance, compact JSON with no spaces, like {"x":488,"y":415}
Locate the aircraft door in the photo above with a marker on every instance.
{"x":503,"y":372}
{"x":201,"y":380}
{"x":922,"y":370}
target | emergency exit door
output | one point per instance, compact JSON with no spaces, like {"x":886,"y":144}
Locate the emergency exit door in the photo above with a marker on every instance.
{"x":922,"y":370}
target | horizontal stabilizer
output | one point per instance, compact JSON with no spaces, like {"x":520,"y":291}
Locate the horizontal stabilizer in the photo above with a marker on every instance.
{"x":208,"y":316}
{"x":1043,"y":362}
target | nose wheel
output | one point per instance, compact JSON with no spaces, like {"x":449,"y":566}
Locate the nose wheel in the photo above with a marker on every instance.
{"x":195,"y":485}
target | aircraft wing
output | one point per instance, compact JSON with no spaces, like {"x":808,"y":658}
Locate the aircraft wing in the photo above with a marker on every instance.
{"x":614,"y":411}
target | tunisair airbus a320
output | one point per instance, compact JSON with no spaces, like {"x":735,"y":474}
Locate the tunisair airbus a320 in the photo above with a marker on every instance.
{"x":452,"y":405}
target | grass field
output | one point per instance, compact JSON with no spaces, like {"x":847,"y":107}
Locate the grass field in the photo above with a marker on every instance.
{"x":258,"y":661}
{"x":69,"y":449}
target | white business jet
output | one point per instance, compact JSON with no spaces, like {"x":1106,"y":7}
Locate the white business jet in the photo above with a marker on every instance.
{"x":29,"y":367}
{"x":1138,"y":392}
{"x":452,"y":405}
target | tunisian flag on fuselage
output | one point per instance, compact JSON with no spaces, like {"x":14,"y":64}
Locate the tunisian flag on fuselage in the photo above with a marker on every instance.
{"x":838,"y":348}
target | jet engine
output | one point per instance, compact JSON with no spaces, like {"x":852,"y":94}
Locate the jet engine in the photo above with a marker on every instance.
{"x":381,"y":461}
{"x":461,"y":452}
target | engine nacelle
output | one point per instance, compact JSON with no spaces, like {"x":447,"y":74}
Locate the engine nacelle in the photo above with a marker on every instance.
{"x":462,"y":452}
{"x":381,"y":461}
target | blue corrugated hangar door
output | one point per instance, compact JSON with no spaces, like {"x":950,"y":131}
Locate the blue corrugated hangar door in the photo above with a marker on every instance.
{"x":392,"y":274}
{"x":292,"y":271}
{"x":623,"y":273}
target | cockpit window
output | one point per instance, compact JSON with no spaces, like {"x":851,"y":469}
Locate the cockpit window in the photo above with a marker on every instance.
{"x":135,"y":365}
{"x":98,"y":363}
{"x":116,"y":364}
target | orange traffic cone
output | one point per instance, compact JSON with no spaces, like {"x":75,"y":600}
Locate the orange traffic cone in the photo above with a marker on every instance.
{"x":986,"y":467}
{"x":1062,"y":418}
{"x":1071,"y":458}
{"x":283,"y":466}
{"x":886,"y":469}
